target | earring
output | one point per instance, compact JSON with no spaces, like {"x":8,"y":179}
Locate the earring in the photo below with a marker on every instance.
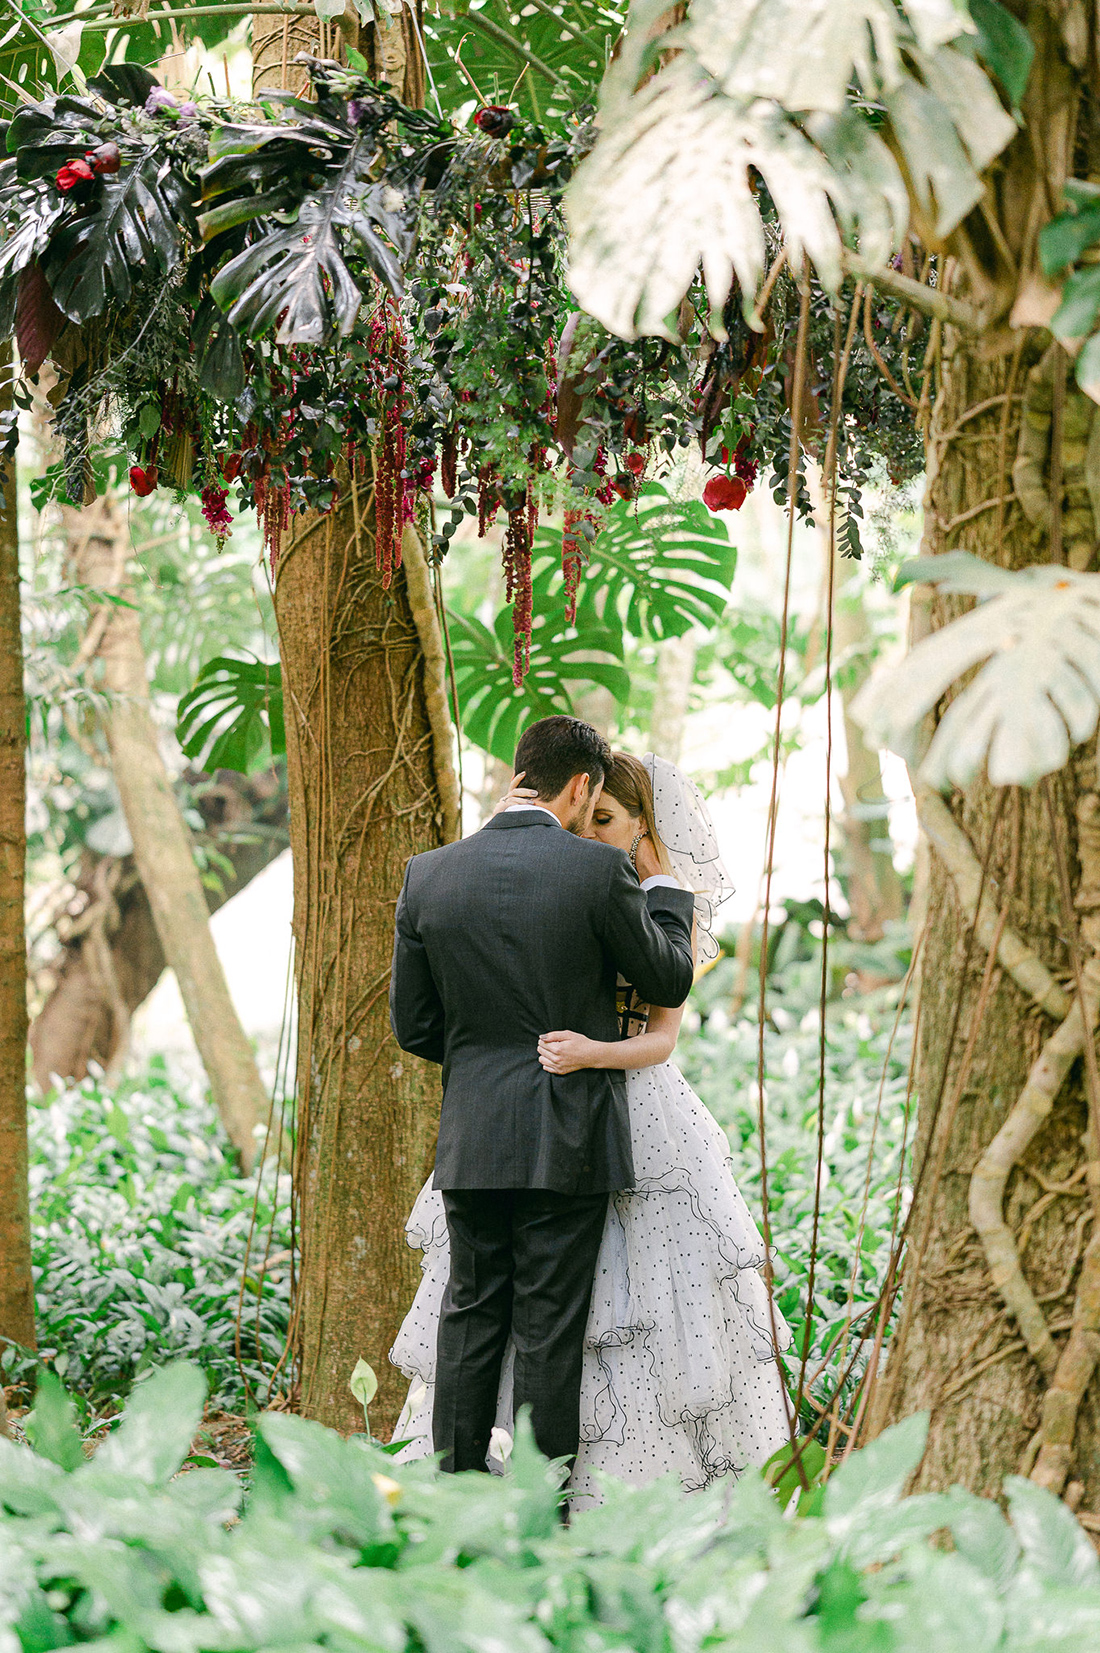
{"x":633,"y":851}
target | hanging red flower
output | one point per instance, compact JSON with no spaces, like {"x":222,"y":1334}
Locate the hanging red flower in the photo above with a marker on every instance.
{"x":725,"y":493}
{"x":143,"y":482}
{"x":218,"y":519}
{"x":635,"y":462}
{"x":494,"y":120}
{"x":73,"y":174}
{"x":107,"y":158}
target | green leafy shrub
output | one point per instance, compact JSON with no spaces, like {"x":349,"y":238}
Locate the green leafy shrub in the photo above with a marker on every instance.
{"x":139,"y":1230}
{"x":857,"y":1212}
{"x":339,"y":1548}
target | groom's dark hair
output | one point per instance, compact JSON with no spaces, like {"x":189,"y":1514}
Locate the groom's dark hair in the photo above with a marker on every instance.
{"x":555,"y":749}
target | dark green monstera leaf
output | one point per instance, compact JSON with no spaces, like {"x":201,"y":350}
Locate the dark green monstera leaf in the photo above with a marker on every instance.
{"x":319,"y":213}
{"x":133,"y":225}
{"x":658,"y":567}
{"x":233,"y":717}
{"x":563,"y":659}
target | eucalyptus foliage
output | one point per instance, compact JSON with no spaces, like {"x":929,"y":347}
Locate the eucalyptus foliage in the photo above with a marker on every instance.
{"x":339,"y":1547}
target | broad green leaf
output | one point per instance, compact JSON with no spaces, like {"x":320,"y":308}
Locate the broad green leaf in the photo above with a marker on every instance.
{"x":52,"y":1426}
{"x":786,"y":1477}
{"x":1037,"y":694}
{"x":363,"y":1383}
{"x":1065,"y":238}
{"x":877,"y":1473}
{"x":983,"y":1536}
{"x":671,"y":184}
{"x":494,"y":713}
{"x":334,"y":1486}
{"x":1076,"y":314}
{"x":657,"y":568}
{"x":1056,"y":1549}
{"x":158,"y":1426}
{"x":233,"y":717}
{"x":308,"y":191}
{"x":1086,"y":369}
{"x":1005,"y":44}
{"x":570,"y":46}
{"x":942,"y":1605}
{"x":138,"y":218}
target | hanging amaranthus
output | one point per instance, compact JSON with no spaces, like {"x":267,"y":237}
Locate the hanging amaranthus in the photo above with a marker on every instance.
{"x":517,"y":574}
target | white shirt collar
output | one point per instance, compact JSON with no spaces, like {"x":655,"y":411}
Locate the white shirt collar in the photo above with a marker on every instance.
{"x":511,"y":810}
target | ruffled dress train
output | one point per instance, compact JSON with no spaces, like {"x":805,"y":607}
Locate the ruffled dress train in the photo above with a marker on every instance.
{"x":680,"y":1371}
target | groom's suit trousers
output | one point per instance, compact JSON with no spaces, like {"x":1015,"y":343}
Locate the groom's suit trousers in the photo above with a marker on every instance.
{"x":523,"y":1262}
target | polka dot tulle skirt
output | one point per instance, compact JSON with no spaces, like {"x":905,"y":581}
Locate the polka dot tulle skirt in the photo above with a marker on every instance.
{"x":680,"y":1372}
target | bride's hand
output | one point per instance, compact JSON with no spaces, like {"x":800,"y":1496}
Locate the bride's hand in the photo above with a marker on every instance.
{"x":646,"y":863}
{"x":516,"y":794}
{"x":566,"y":1052}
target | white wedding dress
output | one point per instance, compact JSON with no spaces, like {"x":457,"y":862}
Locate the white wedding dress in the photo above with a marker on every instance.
{"x":680,"y":1370}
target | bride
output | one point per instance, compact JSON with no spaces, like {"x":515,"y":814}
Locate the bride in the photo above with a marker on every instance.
{"x":680,"y":1369}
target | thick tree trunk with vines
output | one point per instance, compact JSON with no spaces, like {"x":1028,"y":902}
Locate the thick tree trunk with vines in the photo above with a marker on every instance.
{"x":980,"y":1340}
{"x":16,"y":1287}
{"x":371,"y":783}
{"x":1000,"y":1310}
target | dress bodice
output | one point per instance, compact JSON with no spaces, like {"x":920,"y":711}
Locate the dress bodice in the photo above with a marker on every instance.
{"x":633,"y":1012}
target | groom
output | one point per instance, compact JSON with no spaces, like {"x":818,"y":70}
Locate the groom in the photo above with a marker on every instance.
{"x":514,"y":932}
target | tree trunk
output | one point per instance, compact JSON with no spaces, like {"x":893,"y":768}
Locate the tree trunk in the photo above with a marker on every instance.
{"x":371,"y":783}
{"x":111,"y":956}
{"x":16,"y":1287}
{"x":163,"y":850}
{"x":672,"y":696}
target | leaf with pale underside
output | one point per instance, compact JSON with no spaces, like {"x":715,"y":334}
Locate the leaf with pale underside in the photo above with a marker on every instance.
{"x":1036,"y":695}
{"x":671,"y":185}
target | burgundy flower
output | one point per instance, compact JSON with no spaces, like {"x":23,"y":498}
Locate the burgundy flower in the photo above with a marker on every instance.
{"x":635,"y":462}
{"x":73,"y":174}
{"x":107,"y":158}
{"x":231,"y":466}
{"x":218,"y":519}
{"x":494,"y":120}
{"x":725,"y":493}
{"x":143,"y":482}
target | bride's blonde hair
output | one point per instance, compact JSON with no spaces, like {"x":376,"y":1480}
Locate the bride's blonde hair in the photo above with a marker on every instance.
{"x":629,"y":784}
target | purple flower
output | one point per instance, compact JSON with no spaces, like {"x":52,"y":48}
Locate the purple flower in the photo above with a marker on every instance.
{"x":189,"y":111}
{"x":360,"y":110}
{"x":158,"y":100}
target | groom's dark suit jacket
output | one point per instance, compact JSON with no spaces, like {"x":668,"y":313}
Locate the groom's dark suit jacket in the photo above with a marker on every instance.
{"x":514,"y":932}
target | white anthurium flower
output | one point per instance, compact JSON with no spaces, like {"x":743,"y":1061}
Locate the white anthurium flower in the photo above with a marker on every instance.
{"x":500,"y":1446}
{"x":1036,"y":696}
{"x":417,"y":1396}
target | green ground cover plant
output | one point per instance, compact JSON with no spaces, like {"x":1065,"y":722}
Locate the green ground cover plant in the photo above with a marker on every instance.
{"x":864,"y":1152}
{"x":338,"y":1548}
{"x":140,"y":1228}
{"x":140,"y":1220}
